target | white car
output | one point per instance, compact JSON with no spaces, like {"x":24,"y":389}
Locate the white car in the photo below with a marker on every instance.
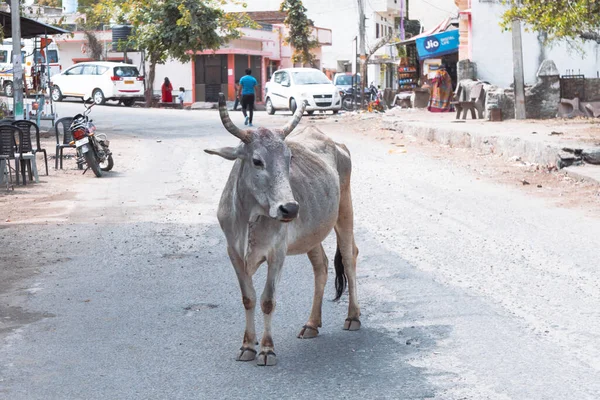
{"x":289,"y":87}
{"x":101,"y":81}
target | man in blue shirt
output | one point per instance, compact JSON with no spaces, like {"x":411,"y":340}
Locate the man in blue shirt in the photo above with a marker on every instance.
{"x":247,"y":92}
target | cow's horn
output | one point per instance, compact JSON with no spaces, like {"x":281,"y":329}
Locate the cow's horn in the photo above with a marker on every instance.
{"x":289,"y":127}
{"x":243,"y":135}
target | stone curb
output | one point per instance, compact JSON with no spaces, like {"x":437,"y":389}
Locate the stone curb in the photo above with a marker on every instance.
{"x":535,"y":152}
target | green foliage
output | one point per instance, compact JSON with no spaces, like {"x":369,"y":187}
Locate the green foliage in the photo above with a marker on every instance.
{"x":49,"y":3}
{"x":300,"y":32}
{"x":558,"y":19}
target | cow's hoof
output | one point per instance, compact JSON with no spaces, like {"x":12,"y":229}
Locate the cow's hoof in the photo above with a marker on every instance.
{"x":308,"y":332}
{"x":352,"y":324}
{"x":266,"y":359}
{"x":246,"y":354}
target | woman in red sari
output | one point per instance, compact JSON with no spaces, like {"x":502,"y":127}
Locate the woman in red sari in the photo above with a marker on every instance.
{"x":167,"y":89}
{"x":441,"y":92}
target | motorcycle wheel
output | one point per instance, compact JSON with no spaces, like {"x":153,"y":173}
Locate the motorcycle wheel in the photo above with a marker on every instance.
{"x":108,"y":165}
{"x":347,"y":103}
{"x":90,"y":159}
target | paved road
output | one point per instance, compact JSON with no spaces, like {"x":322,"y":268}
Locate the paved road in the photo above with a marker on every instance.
{"x":469,"y":290}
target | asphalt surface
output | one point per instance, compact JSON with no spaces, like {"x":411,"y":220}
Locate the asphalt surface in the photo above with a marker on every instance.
{"x":468,"y":289}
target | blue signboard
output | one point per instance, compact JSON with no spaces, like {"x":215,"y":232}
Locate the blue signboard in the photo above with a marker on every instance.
{"x":438,"y":45}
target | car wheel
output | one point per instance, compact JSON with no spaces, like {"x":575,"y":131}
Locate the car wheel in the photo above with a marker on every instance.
{"x":293,"y":105}
{"x":269,"y":107}
{"x":8,"y":89}
{"x":56,"y":94}
{"x":128,"y":102}
{"x":336,"y":111}
{"x":310,"y":112}
{"x":98,"y":97}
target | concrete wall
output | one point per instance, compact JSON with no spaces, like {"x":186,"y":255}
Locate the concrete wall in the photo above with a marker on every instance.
{"x":492,"y":50}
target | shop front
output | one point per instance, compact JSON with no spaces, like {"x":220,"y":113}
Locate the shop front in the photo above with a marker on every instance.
{"x":424,"y":54}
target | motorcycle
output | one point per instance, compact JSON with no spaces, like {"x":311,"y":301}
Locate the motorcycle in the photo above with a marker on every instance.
{"x":350,"y":101}
{"x":92,"y":148}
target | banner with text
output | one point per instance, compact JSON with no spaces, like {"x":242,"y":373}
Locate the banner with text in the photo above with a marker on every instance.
{"x":438,"y":45}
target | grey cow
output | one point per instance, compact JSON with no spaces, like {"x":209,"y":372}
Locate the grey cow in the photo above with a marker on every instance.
{"x":284,"y":195}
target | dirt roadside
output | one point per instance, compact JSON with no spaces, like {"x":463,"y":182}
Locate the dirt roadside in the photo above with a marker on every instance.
{"x":555,"y":186}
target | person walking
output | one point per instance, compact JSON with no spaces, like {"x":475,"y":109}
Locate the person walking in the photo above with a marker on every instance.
{"x":237,"y":94}
{"x":248,"y":94}
{"x":167,"y":91}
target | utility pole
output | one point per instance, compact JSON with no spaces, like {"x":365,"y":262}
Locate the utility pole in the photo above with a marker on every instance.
{"x":15,"y":15}
{"x":363,"y":51}
{"x":517,"y":44}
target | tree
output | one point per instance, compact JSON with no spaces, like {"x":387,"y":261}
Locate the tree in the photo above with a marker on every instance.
{"x":49,"y":3}
{"x":175,"y":29}
{"x":370,"y":52}
{"x":94,"y":45}
{"x":300,"y":32}
{"x":559,"y":19}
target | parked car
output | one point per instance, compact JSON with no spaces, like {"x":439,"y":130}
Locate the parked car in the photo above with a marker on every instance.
{"x":343,"y":80}
{"x":289,"y":87}
{"x":101,"y":81}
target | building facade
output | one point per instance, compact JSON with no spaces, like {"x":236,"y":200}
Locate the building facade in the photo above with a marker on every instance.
{"x":484,"y":42}
{"x":209,"y":72}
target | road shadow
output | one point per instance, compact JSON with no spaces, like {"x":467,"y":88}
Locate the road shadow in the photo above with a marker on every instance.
{"x":160,"y":303}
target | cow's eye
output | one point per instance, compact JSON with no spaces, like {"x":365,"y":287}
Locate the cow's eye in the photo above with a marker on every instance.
{"x":257,"y":162}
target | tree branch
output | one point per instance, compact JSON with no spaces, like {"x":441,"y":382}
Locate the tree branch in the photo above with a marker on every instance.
{"x":380,"y":43}
{"x":594,"y":36}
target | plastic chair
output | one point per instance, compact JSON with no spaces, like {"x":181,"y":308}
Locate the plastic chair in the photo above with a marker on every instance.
{"x":27,"y":150}
{"x":63,"y":125}
{"x":8,"y":151}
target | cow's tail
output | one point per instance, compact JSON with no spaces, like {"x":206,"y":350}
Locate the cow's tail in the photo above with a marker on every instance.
{"x":340,"y":275}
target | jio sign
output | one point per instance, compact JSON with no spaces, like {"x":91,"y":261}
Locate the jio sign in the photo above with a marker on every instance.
{"x":432,"y":44}
{"x":438,"y":44}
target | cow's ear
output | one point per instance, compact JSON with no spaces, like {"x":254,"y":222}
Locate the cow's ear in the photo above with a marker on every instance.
{"x":228,"y":153}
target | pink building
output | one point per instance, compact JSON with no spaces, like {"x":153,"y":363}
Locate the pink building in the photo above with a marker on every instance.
{"x":210,"y":72}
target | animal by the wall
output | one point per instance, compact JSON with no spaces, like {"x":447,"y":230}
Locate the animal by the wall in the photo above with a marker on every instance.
{"x":284,"y":195}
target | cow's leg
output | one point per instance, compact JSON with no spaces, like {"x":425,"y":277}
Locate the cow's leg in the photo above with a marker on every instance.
{"x":318,"y":259}
{"x":267,"y":303}
{"x":247,"y":351}
{"x":344,"y":230}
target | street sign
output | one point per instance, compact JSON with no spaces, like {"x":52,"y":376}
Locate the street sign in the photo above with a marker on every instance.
{"x":438,"y":45}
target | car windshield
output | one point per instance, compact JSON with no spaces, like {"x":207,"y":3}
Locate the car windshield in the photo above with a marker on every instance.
{"x":346,"y":80}
{"x":126,"y":72}
{"x":310,"y":78}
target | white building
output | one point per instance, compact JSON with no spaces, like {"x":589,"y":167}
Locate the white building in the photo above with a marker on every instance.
{"x":342,"y":18}
{"x":491,"y":48}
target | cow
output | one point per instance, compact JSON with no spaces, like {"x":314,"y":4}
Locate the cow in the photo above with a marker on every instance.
{"x":284,"y":195}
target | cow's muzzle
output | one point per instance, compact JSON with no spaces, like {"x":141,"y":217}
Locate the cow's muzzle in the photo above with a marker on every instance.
{"x":288,"y":211}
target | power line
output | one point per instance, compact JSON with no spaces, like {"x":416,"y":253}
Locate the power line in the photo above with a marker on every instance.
{"x":441,"y":9}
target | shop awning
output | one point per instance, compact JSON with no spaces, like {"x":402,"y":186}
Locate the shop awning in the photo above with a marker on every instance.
{"x":441,"y":27}
{"x":29,"y":28}
{"x":437,"y":45}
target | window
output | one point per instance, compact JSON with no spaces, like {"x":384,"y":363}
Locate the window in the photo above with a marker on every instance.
{"x":285,"y":79}
{"x":89,"y":70}
{"x":126,"y":72}
{"x":101,"y":69}
{"x":75,"y":70}
{"x":3,"y":56}
{"x":310,"y":78}
{"x":52,"y":57}
{"x":377,"y":31}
